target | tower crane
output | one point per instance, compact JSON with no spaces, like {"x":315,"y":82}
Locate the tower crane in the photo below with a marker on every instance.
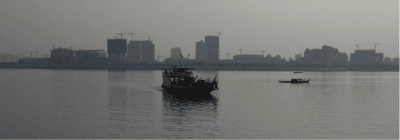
{"x":359,"y":44}
{"x":218,"y":33}
{"x":227,"y":54}
{"x":132,"y":35}
{"x":37,"y":54}
{"x":242,"y":50}
{"x":262,"y":52}
{"x":148,"y":38}
{"x":158,"y":57}
{"x":122,"y":34}
{"x":376,"y":44}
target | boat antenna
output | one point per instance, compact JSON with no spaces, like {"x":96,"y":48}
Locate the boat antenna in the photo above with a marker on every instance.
{"x":180,"y":61}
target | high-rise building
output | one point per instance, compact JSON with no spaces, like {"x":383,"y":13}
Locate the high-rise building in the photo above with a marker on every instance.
{"x":175,"y":52}
{"x":201,"y":50}
{"x":148,"y":51}
{"x":134,"y":51}
{"x":327,"y":55}
{"x":313,"y":56}
{"x":213,"y":47}
{"x":342,"y":58}
{"x":366,"y":57}
{"x":297,"y":57}
{"x":330,"y":55}
{"x":117,"y":49}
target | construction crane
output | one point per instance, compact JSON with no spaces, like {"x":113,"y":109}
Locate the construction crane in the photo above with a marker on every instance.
{"x":262,"y":52}
{"x":227,"y":54}
{"x":365,"y":44}
{"x":52,"y":46}
{"x":242,"y":50}
{"x":218,"y":33}
{"x":37,"y":54}
{"x":132,"y":35}
{"x":158,"y":57}
{"x":376,"y":44}
{"x":122,"y":34}
{"x":148,"y":38}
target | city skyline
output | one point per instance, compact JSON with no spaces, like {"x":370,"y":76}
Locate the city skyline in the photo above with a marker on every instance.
{"x":281,"y":28}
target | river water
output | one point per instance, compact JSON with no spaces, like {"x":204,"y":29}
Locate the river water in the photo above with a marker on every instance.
{"x":82,"y":104}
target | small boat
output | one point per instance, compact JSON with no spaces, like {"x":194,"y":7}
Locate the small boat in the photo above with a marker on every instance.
{"x":180,"y":81}
{"x":295,"y":81}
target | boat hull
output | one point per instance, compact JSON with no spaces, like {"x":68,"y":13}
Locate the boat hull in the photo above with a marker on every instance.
{"x":189,"y":93}
{"x":295,"y":81}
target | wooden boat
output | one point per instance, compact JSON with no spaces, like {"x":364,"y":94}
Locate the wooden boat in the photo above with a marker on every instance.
{"x":295,"y":81}
{"x":180,"y":81}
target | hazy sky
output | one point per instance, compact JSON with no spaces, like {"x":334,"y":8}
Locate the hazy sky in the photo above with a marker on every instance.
{"x":283,"y":27}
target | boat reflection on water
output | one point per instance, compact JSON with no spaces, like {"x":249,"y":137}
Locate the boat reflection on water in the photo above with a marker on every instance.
{"x":194,"y":117}
{"x":172,"y":97}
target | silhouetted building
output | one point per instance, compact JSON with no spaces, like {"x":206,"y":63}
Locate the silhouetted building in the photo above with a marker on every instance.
{"x":90,"y":56}
{"x":267,"y":59}
{"x":327,"y":55}
{"x":148,"y":51}
{"x":330,"y":55}
{"x":395,"y":61}
{"x":248,"y":58}
{"x":201,"y":50}
{"x":134,"y":51}
{"x":213,"y":47}
{"x":366,"y":57}
{"x":117,"y":49}
{"x":297,"y":57}
{"x":387,"y":60}
{"x":175,"y":52}
{"x":313,"y":56}
{"x":61,"y":56}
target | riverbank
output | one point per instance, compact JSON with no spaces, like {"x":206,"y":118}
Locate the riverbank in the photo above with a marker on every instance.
{"x":208,"y":67}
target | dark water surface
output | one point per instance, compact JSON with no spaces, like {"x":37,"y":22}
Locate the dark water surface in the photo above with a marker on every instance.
{"x":250,"y":104}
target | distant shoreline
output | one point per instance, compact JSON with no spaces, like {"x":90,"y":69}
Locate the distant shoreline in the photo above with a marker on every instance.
{"x":208,"y":67}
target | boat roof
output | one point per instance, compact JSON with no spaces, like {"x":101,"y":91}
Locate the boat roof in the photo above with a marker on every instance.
{"x":178,"y":69}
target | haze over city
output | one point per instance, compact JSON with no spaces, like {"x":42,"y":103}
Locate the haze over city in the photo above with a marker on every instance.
{"x":284,"y":27}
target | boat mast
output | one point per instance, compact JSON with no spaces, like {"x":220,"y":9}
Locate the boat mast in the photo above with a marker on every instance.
{"x":180,"y":63}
